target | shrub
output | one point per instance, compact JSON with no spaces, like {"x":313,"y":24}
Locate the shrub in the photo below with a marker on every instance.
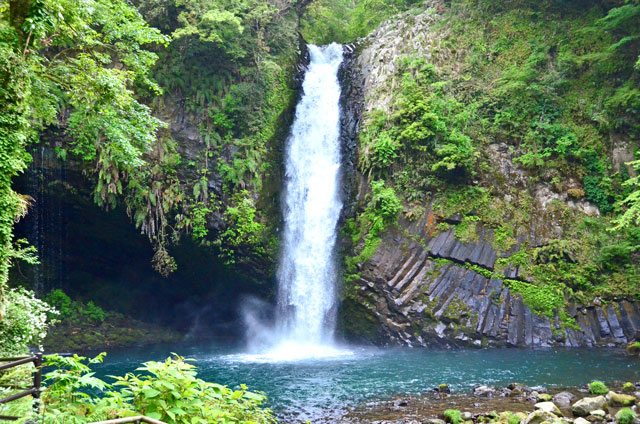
{"x":453,"y":416}
{"x":598,"y":388}
{"x":385,"y":201}
{"x":24,"y":322}
{"x":93,"y":312}
{"x":169,"y":391}
{"x":59,"y":300}
{"x":626,"y":416}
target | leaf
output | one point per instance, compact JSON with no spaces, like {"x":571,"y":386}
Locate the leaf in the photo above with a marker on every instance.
{"x":150,"y":393}
{"x":155,"y":415}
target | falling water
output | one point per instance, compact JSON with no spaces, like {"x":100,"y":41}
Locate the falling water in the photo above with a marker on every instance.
{"x":305,"y":317}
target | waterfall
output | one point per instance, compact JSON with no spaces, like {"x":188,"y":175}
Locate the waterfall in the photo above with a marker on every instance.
{"x":305,"y":316}
{"x":307,"y":275}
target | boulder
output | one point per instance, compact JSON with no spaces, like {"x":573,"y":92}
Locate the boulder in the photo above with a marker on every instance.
{"x":400,"y":403}
{"x":633,"y":349}
{"x":583,"y":407}
{"x":544,"y":397}
{"x":548,"y":407}
{"x":580,"y":420}
{"x":563,"y":398}
{"x":617,"y":399}
{"x":599,"y":413}
{"x":538,"y":417}
{"x":443,"y":388}
{"x":484,"y":391}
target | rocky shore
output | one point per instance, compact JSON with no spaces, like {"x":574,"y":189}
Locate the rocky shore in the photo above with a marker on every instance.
{"x":515,"y":404}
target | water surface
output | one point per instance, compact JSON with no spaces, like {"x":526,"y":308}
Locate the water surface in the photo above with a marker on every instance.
{"x":325,"y":388}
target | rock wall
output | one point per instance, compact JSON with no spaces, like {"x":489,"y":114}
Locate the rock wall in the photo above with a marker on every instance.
{"x":424,"y":286}
{"x":422,"y":292}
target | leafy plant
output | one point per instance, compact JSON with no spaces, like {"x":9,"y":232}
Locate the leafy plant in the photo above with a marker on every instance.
{"x":169,"y":391}
{"x":24,"y":323}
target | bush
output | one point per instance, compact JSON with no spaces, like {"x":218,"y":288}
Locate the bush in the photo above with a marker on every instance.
{"x":24,"y":322}
{"x":598,"y":388}
{"x":385,"y":201}
{"x":71,"y":310}
{"x":453,"y":416}
{"x":93,"y":312}
{"x":63,"y":303}
{"x":168,"y":391}
{"x":626,"y":416}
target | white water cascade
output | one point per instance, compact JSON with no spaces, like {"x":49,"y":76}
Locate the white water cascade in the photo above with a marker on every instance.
{"x":305,"y":317}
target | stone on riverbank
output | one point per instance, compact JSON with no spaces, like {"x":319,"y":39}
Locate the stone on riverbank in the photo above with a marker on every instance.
{"x":583,"y":407}
{"x":544,"y":397}
{"x":563,"y":398}
{"x":628,"y":387}
{"x":617,"y":399}
{"x":548,"y":407}
{"x":484,"y":391}
{"x":538,"y":417}
{"x":580,"y":420}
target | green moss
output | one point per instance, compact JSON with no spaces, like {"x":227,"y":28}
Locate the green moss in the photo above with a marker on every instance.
{"x":626,"y":416}
{"x":598,"y":388}
{"x":356,"y":322}
{"x":453,"y":416}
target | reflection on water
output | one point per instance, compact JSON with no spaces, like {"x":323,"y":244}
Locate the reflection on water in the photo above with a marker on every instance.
{"x":309,"y":389}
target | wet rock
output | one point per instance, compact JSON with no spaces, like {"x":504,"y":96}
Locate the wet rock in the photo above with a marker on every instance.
{"x":585,"y":406}
{"x":617,"y":399}
{"x":538,"y":417}
{"x":548,"y":407}
{"x":484,"y":391}
{"x":540,"y":389}
{"x":599,"y":413}
{"x":544,"y":397}
{"x":443,"y":388}
{"x":519,"y":386}
{"x":633,"y":349}
{"x":515,"y":393}
{"x":563,"y":398}
{"x":400,"y":403}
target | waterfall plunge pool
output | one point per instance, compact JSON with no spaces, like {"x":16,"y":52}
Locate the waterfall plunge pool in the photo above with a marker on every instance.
{"x":326,"y":388}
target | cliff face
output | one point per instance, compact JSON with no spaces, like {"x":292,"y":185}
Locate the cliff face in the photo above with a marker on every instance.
{"x":443,"y":276}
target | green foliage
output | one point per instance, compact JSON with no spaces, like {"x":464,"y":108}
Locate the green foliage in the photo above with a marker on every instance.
{"x":243,"y":230}
{"x":73,"y":311}
{"x":631,"y":216}
{"x":24,"y":322}
{"x":169,"y":391}
{"x":77,"y":65}
{"x":382,"y":210}
{"x":425,"y":134}
{"x":544,"y":299}
{"x":598,"y":388}
{"x":626,"y":416}
{"x":514,"y":419}
{"x":453,"y":416}
{"x":342,"y":21}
